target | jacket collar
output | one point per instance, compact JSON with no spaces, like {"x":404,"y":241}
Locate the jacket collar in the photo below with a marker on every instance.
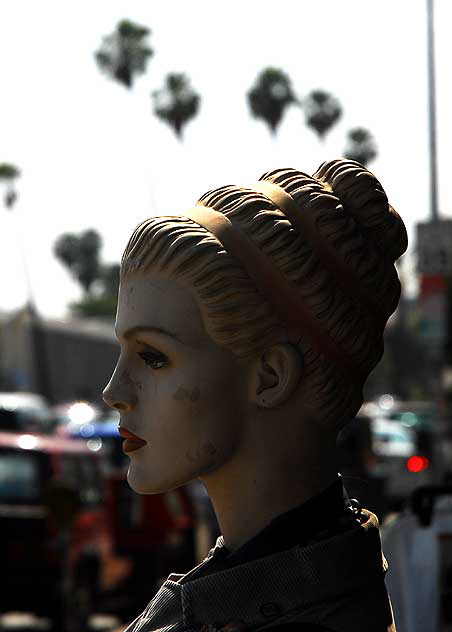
{"x":282,"y":583}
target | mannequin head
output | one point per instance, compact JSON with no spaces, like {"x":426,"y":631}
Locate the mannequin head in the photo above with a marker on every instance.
{"x":242,"y":366}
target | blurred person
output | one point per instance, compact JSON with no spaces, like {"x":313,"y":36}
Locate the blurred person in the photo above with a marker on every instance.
{"x":248,"y":326}
{"x":418,"y":544}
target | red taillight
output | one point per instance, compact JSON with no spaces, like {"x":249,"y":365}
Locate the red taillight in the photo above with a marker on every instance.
{"x":417,"y":463}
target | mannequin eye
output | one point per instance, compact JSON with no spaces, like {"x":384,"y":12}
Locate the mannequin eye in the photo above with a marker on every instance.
{"x":153,"y":359}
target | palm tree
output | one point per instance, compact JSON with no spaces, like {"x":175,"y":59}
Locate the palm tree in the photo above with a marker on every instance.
{"x":360,"y":146}
{"x":125,"y":53}
{"x":322,"y":111}
{"x":176,"y":103}
{"x":270,"y":96}
{"x":80,"y":254}
{"x":8,"y":175}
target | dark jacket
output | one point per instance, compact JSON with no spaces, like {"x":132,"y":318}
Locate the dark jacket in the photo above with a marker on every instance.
{"x":335,"y":580}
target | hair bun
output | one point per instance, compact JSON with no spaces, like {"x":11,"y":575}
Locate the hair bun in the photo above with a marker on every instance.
{"x":362,"y":195}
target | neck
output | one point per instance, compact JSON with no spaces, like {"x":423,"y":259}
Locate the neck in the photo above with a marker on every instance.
{"x":247,"y":493}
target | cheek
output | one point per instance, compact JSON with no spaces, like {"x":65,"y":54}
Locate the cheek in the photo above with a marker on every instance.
{"x":185,"y":434}
{"x":203,"y":453}
{"x":193,"y":417}
{"x":171,"y":412}
{"x":195,"y":424}
{"x":183,"y":394}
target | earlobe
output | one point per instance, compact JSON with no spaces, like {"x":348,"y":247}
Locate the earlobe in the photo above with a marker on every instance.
{"x":278,"y":375}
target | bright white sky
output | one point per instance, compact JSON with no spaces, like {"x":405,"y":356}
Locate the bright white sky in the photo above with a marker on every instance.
{"x":93,"y":155}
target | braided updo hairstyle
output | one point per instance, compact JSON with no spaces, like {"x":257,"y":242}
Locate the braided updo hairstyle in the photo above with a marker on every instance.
{"x":338,"y":259}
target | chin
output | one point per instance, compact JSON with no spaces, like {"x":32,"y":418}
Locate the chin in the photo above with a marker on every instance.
{"x":154,"y":485}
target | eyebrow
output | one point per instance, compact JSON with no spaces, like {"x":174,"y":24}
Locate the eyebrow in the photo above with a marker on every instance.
{"x":147,"y":329}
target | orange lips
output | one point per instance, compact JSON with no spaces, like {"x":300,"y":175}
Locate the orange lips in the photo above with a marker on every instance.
{"x":132,"y":442}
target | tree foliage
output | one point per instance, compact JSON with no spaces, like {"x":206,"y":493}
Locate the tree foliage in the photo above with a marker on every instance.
{"x":100,"y":283}
{"x":8,"y":172}
{"x":110,"y":279}
{"x":80,"y":255}
{"x":103,"y":306}
{"x":270,"y":96}
{"x":105,"y":301}
{"x":8,"y":175}
{"x":176,"y":103}
{"x":124,"y":53}
{"x":322,"y":111}
{"x":360,"y":146}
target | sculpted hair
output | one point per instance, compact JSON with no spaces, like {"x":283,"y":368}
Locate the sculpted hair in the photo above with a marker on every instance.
{"x":338,"y":258}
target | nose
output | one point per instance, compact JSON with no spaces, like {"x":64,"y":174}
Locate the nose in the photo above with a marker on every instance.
{"x":119,"y":394}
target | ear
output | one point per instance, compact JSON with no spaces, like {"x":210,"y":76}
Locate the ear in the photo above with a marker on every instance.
{"x":278,"y":372}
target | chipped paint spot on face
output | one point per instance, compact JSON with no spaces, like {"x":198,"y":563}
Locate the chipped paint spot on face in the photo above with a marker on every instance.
{"x":127,"y":381}
{"x":194,"y":456}
{"x":180,"y":394}
{"x":210,"y":448}
{"x":183,"y":393}
{"x":191,"y":457}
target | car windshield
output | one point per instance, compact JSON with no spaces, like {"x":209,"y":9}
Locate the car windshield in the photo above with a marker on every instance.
{"x":20,"y":480}
{"x":392,"y":438}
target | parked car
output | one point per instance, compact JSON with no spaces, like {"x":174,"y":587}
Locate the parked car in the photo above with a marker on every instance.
{"x":406,"y":441}
{"x":152,"y":534}
{"x":399,"y":460}
{"x":25,"y":411}
{"x":389,"y":450}
{"x":52,"y":525}
{"x":69,"y":416}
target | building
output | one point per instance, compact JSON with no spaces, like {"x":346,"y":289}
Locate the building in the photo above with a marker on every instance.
{"x":63,"y":359}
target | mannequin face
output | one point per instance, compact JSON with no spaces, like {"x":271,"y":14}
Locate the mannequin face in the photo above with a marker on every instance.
{"x":173,"y":386}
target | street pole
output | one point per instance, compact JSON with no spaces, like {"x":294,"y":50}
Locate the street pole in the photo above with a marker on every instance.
{"x":445,"y":348}
{"x":432,"y":111}
{"x":38,"y":347}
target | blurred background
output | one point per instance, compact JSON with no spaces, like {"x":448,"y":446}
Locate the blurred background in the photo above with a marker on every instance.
{"x":111,"y":112}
